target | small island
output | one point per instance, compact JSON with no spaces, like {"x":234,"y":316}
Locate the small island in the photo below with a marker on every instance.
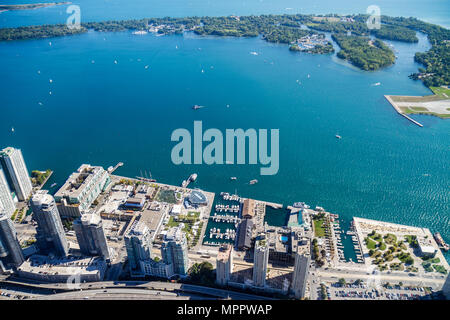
{"x":363,"y":52}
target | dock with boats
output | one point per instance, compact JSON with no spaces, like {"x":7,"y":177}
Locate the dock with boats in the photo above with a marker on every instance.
{"x":229,"y":234}
{"x":226,"y":218}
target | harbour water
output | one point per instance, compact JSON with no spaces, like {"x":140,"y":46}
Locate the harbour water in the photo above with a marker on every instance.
{"x":384,"y":167}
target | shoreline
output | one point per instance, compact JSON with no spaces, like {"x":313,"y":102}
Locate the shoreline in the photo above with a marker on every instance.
{"x":435,"y":105}
{"x":394,"y":105}
{"x":30,"y":6}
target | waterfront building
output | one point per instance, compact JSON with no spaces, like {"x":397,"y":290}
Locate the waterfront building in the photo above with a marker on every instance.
{"x":260,"y":261}
{"x":10,"y":250}
{"x":174,"y":250}
{"x":158,"y":269}
{"x":81,"y":189}
{"x":50,"y":236}
{"x":302,"y":250}
{"x":224,"y":265}
{"x":245,"y":235}
{"x":248,"y":209}
{"x":136,"y":202}
{"x":6,"y":199}
{"x":91,"y":236}
{"x":139,"y":246}
{"x":16,"y":172}
{"x":63,"y":270}
{"x":196,"y":198}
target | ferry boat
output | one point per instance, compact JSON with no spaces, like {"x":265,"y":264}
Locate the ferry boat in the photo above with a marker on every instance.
{"x":444,"y":246}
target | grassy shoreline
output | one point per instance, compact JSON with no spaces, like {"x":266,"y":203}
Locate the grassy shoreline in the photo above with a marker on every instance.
{"x":436,"y":105}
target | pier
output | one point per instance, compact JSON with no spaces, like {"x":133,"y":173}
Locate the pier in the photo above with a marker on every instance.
{"x":117,"y":166}
{"x":229,"y":234}
{"x":191,"y":178}
{"x":225,"y":218}
{"x":227,"y":208}
{"x":399,"y":111}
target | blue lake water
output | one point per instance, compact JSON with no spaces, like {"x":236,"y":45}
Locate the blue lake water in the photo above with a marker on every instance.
{"x":101,"y":113}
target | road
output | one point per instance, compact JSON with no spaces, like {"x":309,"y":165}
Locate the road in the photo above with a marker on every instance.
{"x":176,"y":288}
{"x":429,"y":280}
{"x":117,"y":293}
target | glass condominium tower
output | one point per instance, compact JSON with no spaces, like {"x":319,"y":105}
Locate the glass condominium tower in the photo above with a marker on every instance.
{"x":16,"y":172}
{"x":50,"y":235}
{"x":10,"y":250}
{"x":6,"y":199}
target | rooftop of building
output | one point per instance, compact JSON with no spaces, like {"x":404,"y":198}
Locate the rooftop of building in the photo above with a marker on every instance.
{"x":261,"y":244}
{"x":248,"y":209}
{"x":90,"y":219}
{"x":78,"y":180}
{"x":137,"y":229}
{"x":245,"y":233}
{"x":224,"y":252}
{"x":7,"y":151}
{"x":174,"y":234}
{"x":279,"y":239}
{"x":152,"y":218}
{"x":66,"y":266}
{"x":42,"y":197}
{"x":197,"y":197}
